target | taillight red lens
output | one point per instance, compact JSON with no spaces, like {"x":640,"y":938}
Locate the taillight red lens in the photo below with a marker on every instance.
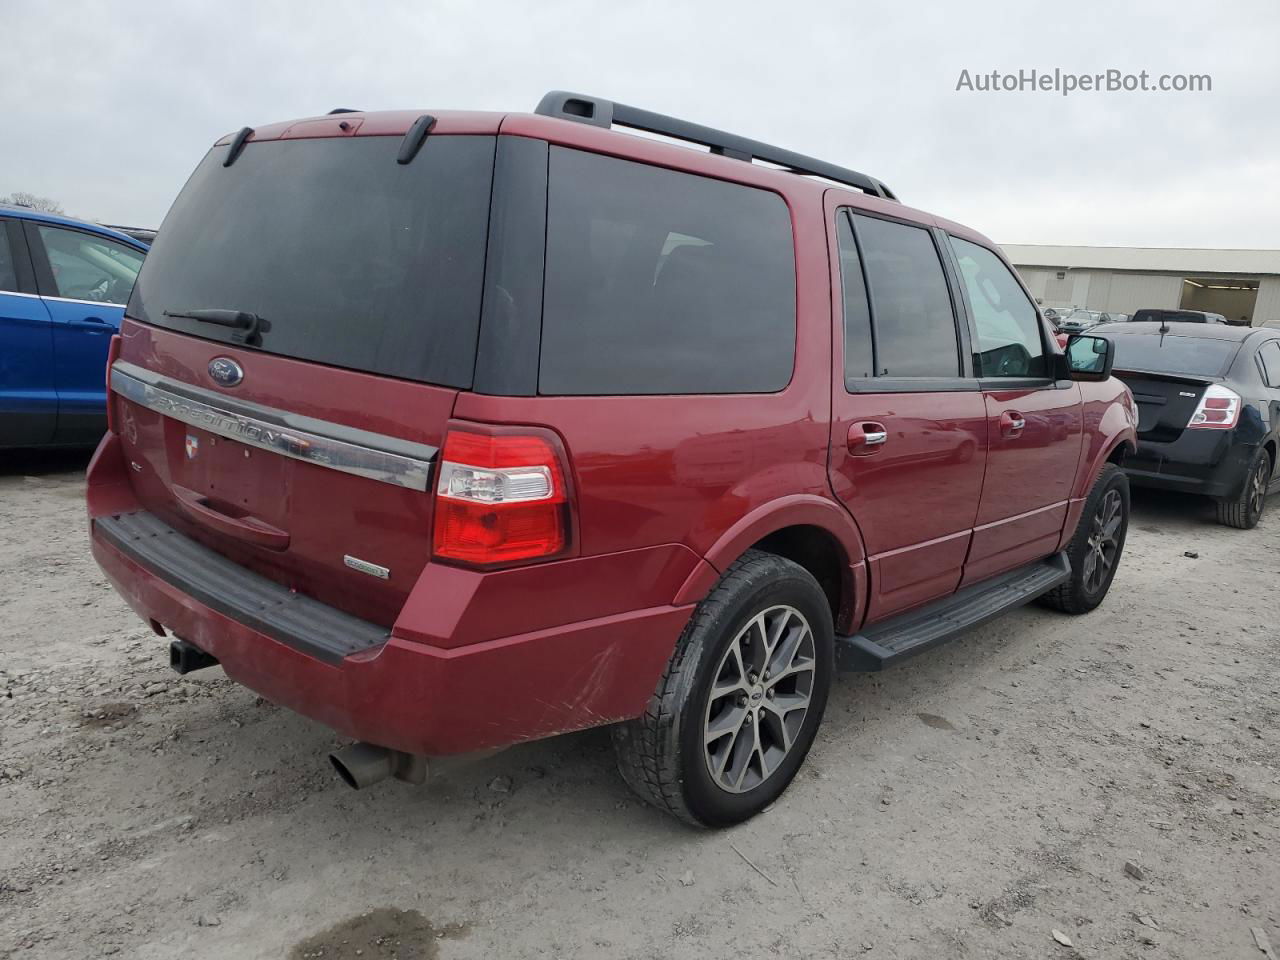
{"x":1219,"y":409}
{"x":500,"y":498}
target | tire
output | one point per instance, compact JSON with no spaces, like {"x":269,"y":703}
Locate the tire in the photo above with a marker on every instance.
{"x":1244,"y":510}
{"x":667,"y":755}
{"x":1108,"y":500}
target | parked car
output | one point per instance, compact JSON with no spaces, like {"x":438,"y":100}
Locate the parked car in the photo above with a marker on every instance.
{"x":1077,"y":321}
{"x":143,"y":234}
{"x":63,"y":286}
{"x":1147,"y":315}
{"x":1209,"y":411}
{"x":1113,"y":318}
{"x":457,"y":430}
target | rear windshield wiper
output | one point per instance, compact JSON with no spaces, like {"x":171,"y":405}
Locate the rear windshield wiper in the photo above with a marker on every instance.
{"x":252,"y":324}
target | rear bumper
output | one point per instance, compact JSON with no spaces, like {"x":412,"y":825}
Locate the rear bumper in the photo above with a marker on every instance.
{"x":1207,"y":462}
{"x":422,"y":699}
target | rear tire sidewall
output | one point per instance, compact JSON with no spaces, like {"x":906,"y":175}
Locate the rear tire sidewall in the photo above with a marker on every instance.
{"x":1261,"y":465}
{"x":1238,"y":511}
{"x":1117,"y":481}
{"x":707,"y":801}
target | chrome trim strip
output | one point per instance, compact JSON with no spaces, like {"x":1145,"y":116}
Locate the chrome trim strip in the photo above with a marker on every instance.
{"x":321,"y":442}
{"x":39,"y":296}
{"x":92,"y":303}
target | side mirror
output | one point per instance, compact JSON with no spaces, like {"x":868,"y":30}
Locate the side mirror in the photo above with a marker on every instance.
{"x":1089,"y":358}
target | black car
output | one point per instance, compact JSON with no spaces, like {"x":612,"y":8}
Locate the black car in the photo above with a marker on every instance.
{"x":1209,"y":410}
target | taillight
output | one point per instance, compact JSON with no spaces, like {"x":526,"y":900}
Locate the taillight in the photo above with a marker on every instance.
{"x":1219,"y":409}
{"x":113,"y":351}
{"x":500,"y":498}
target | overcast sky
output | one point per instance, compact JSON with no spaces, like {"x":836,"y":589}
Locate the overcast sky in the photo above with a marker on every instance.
{"x":108,"y":106}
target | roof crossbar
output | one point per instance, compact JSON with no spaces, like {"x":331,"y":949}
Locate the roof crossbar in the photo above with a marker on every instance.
{"x":605,"y":113}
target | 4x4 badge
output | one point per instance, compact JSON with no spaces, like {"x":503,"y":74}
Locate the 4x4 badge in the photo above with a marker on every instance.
{"x":225,"y":372}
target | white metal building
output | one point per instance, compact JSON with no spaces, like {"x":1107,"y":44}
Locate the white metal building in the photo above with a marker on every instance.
{"x":1239,"y":284}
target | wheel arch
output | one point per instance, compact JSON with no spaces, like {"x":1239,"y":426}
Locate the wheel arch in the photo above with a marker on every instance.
{"x":816,"y":533}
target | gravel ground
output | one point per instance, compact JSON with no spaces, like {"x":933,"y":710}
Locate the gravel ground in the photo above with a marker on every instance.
{"x":969,"y":804}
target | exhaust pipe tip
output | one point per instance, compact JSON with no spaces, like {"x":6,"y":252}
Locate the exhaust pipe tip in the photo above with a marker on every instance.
{"x":362,"y":765}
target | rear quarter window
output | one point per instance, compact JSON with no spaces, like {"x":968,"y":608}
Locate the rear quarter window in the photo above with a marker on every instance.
{"x":660,"y":282}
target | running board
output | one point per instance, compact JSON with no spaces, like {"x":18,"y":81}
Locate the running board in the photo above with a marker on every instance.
{"x":884,"y":644}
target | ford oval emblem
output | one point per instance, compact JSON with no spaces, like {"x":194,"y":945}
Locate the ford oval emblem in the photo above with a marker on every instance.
{"x":225,"y":371}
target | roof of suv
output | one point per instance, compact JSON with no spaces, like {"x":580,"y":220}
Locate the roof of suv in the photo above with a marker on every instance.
{"x":558,"y":120}
{"x":29,"y":213}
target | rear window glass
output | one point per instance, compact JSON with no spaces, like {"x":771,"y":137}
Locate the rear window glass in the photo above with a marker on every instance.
{"x":8,"y":268}
{"x":1192,"y":356}
{"x":1169,"y":316}
{"x":659,"y":282}
{"x":353,"y":259}
{"x":915,"y":328}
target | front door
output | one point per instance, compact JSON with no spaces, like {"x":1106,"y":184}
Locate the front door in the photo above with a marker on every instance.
{"x":908,"y":424}
{"x":28,"y":401}
{"x":85,"y":280}
{"x":1034,"y":422}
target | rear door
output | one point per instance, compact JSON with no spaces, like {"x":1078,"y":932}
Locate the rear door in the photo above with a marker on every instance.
{"x":1269,"y":365}
{"x":1034,"y":423}
{"x":304,"y":451}
{"x":85,"y":280}
{"x":28,"y":401}
{"x":908,"y":424}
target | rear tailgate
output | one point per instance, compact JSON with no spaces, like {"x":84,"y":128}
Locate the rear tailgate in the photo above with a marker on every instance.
{"x":321,"y":500}
{"x":294,"y":346}
{"x":1165,"y":402}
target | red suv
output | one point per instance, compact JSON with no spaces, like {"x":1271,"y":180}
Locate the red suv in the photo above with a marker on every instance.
{"x":452,"y":431}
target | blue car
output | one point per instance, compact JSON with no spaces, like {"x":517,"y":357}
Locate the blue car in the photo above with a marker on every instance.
{"x":63,"y":287}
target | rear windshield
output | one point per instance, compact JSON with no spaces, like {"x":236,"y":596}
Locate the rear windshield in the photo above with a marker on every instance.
{"x":1191,"y":356}
{"x":353,"y":259}
{"x":1169,"y":316}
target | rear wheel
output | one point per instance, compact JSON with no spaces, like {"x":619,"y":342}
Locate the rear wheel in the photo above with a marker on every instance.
{"x":740,"y":703}
{"x":1244,"y":510}
{"x":1096,"y":547}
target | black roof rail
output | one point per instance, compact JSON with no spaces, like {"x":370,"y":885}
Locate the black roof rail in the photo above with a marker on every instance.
{"x":342,"y":110}
{"x":605,"y":113}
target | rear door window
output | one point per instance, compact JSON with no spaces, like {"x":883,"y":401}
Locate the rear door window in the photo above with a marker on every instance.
{"x":1269,"y":358}
{"x":353,"y":259}
{"x":859,"y":346}
{"x":89,"y":267}
{"x":1005,"y":319}
{"x":915,"y":328}
{"x":8,"y":263}
{"x":661,"y":282}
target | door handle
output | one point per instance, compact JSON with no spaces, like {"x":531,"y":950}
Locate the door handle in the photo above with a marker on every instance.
{"x":866,"y":437}
{"x":96,"y":324}
{"x":249,"y":529}
{"x":1011,"y":424}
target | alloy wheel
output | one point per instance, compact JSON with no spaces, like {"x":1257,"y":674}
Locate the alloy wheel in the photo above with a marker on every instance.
{"x":1104,"y":541}
{"x":1258,"y":488}
{"x":759,"y":699}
